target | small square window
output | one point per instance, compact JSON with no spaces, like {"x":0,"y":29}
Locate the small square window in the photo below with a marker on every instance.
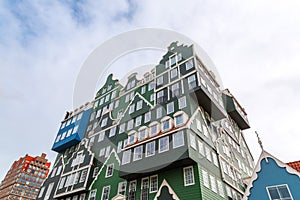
{"x":189,"y":65}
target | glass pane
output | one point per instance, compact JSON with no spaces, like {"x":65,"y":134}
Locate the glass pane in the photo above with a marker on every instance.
{"x":284,"y":193}
{"x":273,"y":193}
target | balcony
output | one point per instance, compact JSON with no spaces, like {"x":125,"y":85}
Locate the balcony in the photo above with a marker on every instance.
{"x":235,"y":111}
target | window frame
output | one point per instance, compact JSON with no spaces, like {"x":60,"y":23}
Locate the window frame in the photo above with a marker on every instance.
{"x":160,"y":144}
{"x":147,"y":154}
{"x":181,"y":139}
{"x":108,"y":172}
{"x":185,"y":176}
{"x":103,"y":189}
{"x":277,"y":186}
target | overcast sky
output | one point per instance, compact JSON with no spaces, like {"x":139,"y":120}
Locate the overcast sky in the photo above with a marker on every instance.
{"x":255,"y":46}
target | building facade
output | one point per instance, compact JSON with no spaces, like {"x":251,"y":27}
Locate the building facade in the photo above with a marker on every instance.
{"x":273,"y":180}
{"x":24,"y":178}
{"x":172,"y":134}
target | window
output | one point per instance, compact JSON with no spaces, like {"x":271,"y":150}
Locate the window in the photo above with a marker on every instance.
{"x":112,"y":131}
{"x":160,"y":96}
{"x":122,"y":187}
{"x":107,"y":151}
{"x":122,"y":128}
{"x":41,"y":192}
{"x":82,"y":197}
{"x":170,"y":107}
{"x":166,"y":125}
{"x":172,"y":60}
{"x":101,"y":136}
{"x":179,"y":120}
{"x":131,"y":108}
{"x":215,"y":159}
{"x":159,"y":112}
{"x":58,"y":170}
{"x":57,"y":138}
{"x":93,"y":195}
{"x":207,"y":152}
{"x":109,"y":170}
{"x":53,"y":172}
{"x":160,"y":80}
{"x":75,"y":129}
{"x":49,"y":190}
{"x":188,"y":173}
{"x":130,"y":124}
{"x":117,"y":103}
{"x":205,"y":178}
{"x":213,"y":183}
{"x":189,"y":65}
{"x":175,"y":90}
{"x":142,"y":134}
{"x":279,"y":192}
{"x":220,"y":187}
{"x":91,"y":143}
{"x":152,"y":97}
{"x":105,"y":193}
{"x":174,"y":73}
{"x":192,"y":83}
{"x":138,"y":121}
{"x":76,"y":178}
{"x":132,"y":138}
{"x":126,"y":157}
{"x":154,"y":130}
{"x":137,"y":153}
{"x":119,"y":146}
{"x":83,"y":176}
{"x":107,"y":98}
{"x":113,"y":94}
{"x":96,"y":169}
{"x":163,"y":144}
{"x":143,"y":90}
{"x":104,"y":122}
{"x":127,"y":98}
{"x":62,"y":182}
{"x":139,"y":105}
{"x":182,"y":102}
{"x":150,"y":149}
{"x":178,"y":139}
{"x":193,"y":141}
{"x":102,"y":152}
{"x":151,"y":85}
{"x":147,"y":117}
{"x":153,"y":183}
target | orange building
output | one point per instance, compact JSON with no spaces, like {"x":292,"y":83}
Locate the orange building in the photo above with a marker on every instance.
{"x":24,"y":178}
{"x":295,"y":165}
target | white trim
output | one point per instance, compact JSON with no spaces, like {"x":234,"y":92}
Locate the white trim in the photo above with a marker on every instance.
{"x":103,"y":191}
{"x":165,"y":183}
{"x":150,"y":183}
{"x":112,"y":172}
{"x":279,"y":186}
{"x":257,"y":169}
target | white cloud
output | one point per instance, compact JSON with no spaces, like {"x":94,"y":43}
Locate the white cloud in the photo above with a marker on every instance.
{"x":254,"y":45}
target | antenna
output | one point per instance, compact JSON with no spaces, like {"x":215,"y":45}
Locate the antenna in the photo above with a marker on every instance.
{"x":259,"y":141}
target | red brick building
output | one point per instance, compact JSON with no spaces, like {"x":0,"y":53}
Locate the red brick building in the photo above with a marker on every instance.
{"x":295,"y":165}
{"x":24,"y":178}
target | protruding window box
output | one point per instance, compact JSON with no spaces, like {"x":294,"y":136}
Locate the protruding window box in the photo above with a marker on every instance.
{"x":204,"y":98}
{"x":235,"y":111}
{"x":71,"y":133}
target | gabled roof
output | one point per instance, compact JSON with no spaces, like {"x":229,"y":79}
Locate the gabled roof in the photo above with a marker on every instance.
{"x":257,"y":169}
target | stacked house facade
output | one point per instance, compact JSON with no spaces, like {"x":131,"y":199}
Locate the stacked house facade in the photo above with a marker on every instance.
{"x":25,"y":177}
{"x":172,"y":134}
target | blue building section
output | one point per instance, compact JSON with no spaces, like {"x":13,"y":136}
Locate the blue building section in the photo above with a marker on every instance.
{"x":273,"y":180}
{"x":71,"y":131}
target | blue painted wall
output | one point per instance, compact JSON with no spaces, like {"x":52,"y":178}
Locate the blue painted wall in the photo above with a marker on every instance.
{"x":75,"y":137}
{"x":271,"y":174}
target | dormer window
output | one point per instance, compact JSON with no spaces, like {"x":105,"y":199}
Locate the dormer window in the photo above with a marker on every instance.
{"x":166,"y":124}
{"x":132,"y":137}
{"x":180,"y":118}
{"x":154,"y":129}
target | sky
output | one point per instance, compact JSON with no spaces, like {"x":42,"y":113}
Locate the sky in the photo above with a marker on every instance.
{"x":254,"y":44}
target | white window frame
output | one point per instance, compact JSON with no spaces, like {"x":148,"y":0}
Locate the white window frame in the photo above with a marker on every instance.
{"x":126,"y":157}
{"x":186,"y":181}
{"x":112,"y":131}
{"x":169,"y":124}
{"x":193,"y":141}
{"x":103,"y":189}
{"x":120,"y":146}
{"x":180,"y":136}
{"x":102,"y":152}
{"x":138,"y":153}
{"x":101,"y":136}
{"x":104,"y":122}
{"x":143,"y":90}
{"x":93,"y":194}
{"x":189,"y":65}
{"x":160,"y":150}
{"x":138,"y":121}
{"x":131,"y":108}
{"x":153,"y":186}
{"x":182,"y":102}
{"x":183,"y":120}
{"x":150,"y":153}
{"x":173,"y":74}
{"x":160,"y":80}
{"x":205,"y":178}
{"x":147,"y":117}
{"x":108,"y":172}
{"x":170,"y":107}
{"x":49,"y":190}
{"x":159,"y":112}
{"x":120,"y":187}
{"x":139,"y":105}
{"x":276,"y":186}
{"x":130,"y":125}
